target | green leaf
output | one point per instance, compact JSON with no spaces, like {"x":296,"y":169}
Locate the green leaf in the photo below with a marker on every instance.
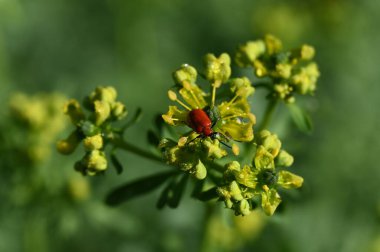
{"x":165,"y":195}
{"x":178,"y":191}
{"x":136,"y":188}
{"x":136,"y":117}
{"x":208,"y":195}
{"x":300,"y":117}
{"x":153,"y":139}
{"x":116,"y":163}
{"x":159,"y":123}
{"x":198,"y":187}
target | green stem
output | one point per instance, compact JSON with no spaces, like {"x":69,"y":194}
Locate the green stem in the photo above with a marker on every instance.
{"x":136,"y":150}
{"x":271,"y":107}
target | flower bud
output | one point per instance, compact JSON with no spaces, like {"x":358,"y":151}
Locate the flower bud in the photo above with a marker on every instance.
{"x":119,"y":110}
{"x":102,"y":112}
{"x":74,"y":111}
{"x":305,"y":80}
{"x":242,"y":87}
{"x":68,"y":145}
{"x":249,"y":52}
{"x":184,"y":74}
{"x":283,"y":70}
{"x":93,"y":142}
{"x":272,"y":44}
{"x":217,"y":70}
{"x":235,"y":191}
{"x":244,"y":207}
{"x":284,"y":159}
{"x":199,"y":171}
{"x":260,"y":69}
{"x":95,"y":161}
{"x":306,"y":52}
{"x":89,"y":129}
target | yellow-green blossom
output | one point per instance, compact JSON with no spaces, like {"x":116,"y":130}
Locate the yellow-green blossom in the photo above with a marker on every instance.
{"x":288,"y":72}
{"x":259,"y":181}
{"x":93,"y":129}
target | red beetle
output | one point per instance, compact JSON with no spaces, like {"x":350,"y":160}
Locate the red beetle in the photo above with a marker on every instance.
{"x":200,"y":122}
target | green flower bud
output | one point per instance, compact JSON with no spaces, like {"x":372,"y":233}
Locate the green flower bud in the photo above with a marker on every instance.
{"x":283,"y":70}
{"x":284,"y":159}
{"x":89,"y":129}
{"x":306,"y":52}
{"x":283,"y":90}
{"x":260,"y":68}
{"x":106,"y":94}
{"x":249,"y":52}
{"x":244,"y":207}
{"x":119,"y":110}
{"x":93,"y":142}
{"x":102,"y":112}
{"x":199,"y":171}
{"x":95,"y":161}
{"x":217,"y":70}
{"x":289,"y":180}
{"x":235,"y":191}
{"x":305,"y":80}
{"x":272,"y":44}
{"x":270,"y":142}
{"x":68,"y":145}
{"x":185,"y":73}
{"x":242,"y":87}
{"x":73,"y":110}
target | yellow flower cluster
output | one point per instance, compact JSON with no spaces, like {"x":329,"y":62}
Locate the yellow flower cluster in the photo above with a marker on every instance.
{"x":229,"y":119}
{"x":41,"y":119}
{"x":259,"y":181}
{"x":93,"y":130}
{"x":289,"y":71}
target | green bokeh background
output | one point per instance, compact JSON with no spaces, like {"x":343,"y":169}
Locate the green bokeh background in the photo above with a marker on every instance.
{"x":71,"y":47}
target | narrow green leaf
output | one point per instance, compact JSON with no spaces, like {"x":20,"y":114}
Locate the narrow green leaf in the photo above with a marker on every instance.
{"x":178,"y":191}
{"x":116,"y":163}
{"x":153,"y":139}
{"x":301,"y":118}
{"x":165,"y":195}
{"x":136,"y":188}
{"x":198,"y":187}
{"x":208,"y":195}
{"x":136,"y":117}
{"x":159,"y":123}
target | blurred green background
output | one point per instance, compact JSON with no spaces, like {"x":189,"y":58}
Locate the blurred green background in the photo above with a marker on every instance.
{"x":70,"y":47}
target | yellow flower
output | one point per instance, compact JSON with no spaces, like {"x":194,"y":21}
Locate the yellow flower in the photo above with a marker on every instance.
{"x":236,"y":121}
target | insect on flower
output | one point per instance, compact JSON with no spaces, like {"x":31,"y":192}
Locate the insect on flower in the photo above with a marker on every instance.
{"x":202,"y":121}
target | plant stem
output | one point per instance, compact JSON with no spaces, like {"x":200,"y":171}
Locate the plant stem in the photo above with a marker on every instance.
{"x":135,"y":150}
{"x":271,"y":107}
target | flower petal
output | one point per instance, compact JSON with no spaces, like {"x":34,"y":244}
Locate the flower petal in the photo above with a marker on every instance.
{"x":269,"y":201}
{"x":263,"y":158}
{"x":193,"y":95}
{"x":289,"y":180}
{"x":175,"y":116}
